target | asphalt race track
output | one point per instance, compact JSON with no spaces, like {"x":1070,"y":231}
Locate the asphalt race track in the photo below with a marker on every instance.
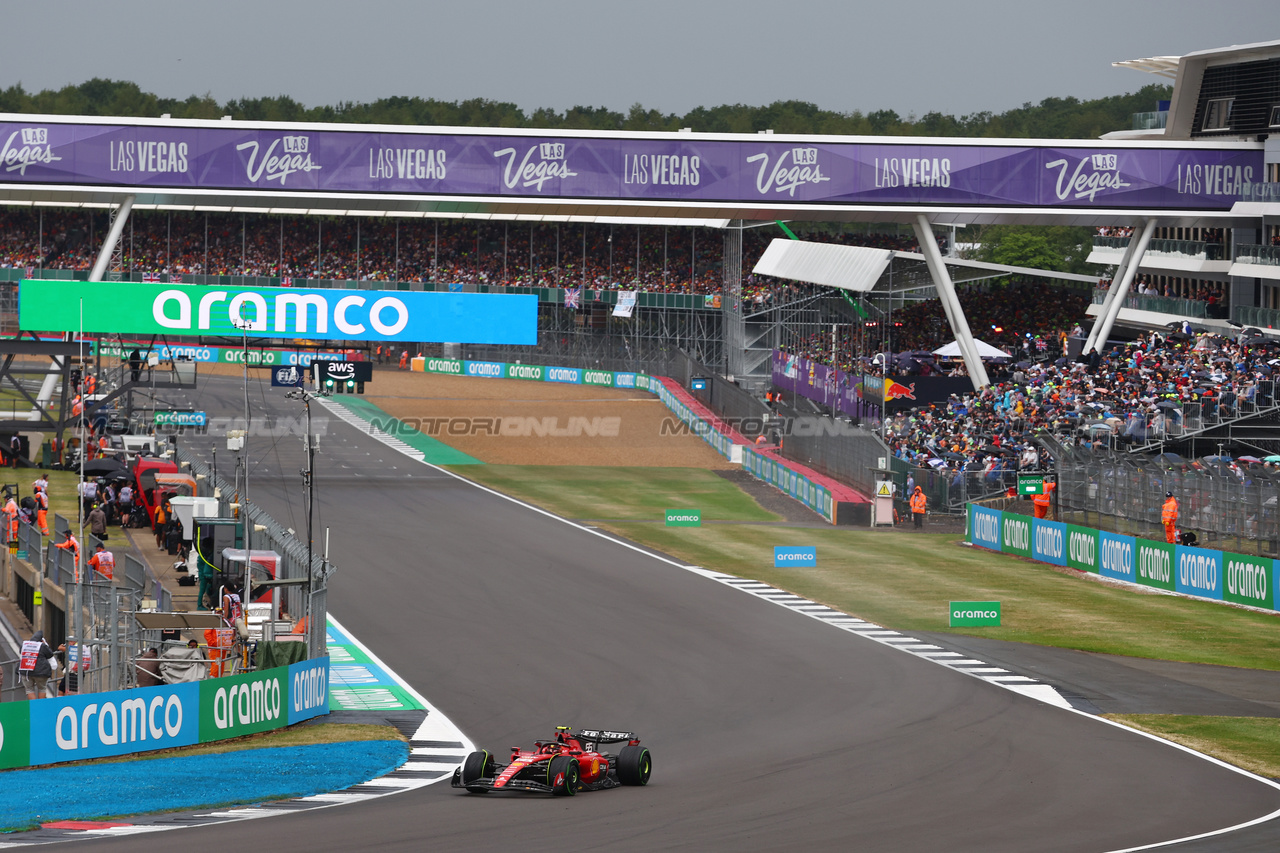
{"x":769,"y":730}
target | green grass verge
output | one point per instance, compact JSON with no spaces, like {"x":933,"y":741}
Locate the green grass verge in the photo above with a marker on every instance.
{"x":1252,"y":743}
{"x":897,"y":578}
{"x":631,"y":494}
{"x":904,"y":580}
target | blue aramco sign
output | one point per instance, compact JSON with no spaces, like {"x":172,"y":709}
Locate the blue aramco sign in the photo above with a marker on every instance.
{"x":794,"y":555}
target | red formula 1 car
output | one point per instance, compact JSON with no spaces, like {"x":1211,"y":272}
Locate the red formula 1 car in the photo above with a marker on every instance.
{"x":561,"y":767}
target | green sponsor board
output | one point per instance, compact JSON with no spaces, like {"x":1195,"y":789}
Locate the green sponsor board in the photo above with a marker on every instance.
{"x":231,"y":355}
{"x":385,"y":697}
{"x":1082,"y":548}
{"x":1247,"y":580}
{"x":244,"y":704}
{"x":684,"y":518}
{"x":1015,"y":534}
{"x":451,"y":366}
{"x":1155,"y":562}
{"x":1030,"y":484}
{"x":597,"y":377}
{"x":974,"y":614}
{"x":533,"y":372}
{"x":15,"y":734}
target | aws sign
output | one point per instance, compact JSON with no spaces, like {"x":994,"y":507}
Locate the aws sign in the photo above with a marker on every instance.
{"x":278,"y":312}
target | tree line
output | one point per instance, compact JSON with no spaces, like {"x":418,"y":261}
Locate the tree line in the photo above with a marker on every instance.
{"x":1052,"y":118}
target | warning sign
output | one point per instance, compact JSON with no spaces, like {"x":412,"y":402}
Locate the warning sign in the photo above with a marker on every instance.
{"x":884,"y":490}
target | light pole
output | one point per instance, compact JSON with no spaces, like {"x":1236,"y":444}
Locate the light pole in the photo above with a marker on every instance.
{"x":308,"y":478}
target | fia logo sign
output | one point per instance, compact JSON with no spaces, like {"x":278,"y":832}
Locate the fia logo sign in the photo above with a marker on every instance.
{"x":551,"y":163}
{"x":286,"y":376}
{"x":283,"y":157}
{"x":26,"y":146}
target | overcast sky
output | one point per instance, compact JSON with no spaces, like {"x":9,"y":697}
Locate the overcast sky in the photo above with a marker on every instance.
{"x":912,"y":56}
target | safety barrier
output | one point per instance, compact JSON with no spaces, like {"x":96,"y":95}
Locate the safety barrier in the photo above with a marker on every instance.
{"x":795,"y":483}
{"x":122,"y":722}
{"x":1198,"y":572}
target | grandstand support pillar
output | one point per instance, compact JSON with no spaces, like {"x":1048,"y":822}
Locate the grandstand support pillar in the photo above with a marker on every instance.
{"x":1121,"y":288}
{"x":950,"y":302}
{"x":113,"y":237}
{"x":1113,"y":293}
{"x":735,"y":330}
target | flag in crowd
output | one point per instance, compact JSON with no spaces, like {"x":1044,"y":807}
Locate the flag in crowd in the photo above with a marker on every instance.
{"x":573,"y":297}
{"x":150,"y":277}
{"x":31,"y":271}
{"x":175,"y":279}
{"x":286,"y":281}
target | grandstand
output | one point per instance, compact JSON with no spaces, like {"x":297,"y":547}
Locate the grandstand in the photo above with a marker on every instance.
{"x":1184,"y":212}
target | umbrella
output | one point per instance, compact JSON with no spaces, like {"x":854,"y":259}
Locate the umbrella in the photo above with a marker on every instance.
{"x":1271,"y":458}
{"x":105,"y":468}
{"x":1248,"y":459}
{"x":1175,"y":458}
{"x":1167,"y":404}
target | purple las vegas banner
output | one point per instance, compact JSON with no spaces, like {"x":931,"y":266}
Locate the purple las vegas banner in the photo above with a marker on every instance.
{"x":138,"y":155}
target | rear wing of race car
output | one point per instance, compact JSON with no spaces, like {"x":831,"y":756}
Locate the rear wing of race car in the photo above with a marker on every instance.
{"x":602,"y":737}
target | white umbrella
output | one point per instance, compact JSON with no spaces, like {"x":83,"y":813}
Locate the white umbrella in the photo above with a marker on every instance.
{"x":985,"y":350}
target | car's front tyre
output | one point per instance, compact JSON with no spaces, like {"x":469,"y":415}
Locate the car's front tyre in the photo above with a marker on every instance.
{"x":478,"y":765}
{"x":562,"y":776}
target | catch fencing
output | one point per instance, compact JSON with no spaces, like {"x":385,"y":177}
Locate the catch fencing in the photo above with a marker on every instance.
{"x":1228,"y":508}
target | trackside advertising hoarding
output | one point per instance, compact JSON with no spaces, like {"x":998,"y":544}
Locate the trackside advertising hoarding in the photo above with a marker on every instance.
{"x":200,"y":156}
{"x":1198,"y":572}
{"x":278,"y":312}
{"x":1049,"y":542}
{"x":99,"y":725}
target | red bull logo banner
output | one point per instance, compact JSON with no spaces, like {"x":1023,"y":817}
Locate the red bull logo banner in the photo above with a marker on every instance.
{"x":858,"y":395}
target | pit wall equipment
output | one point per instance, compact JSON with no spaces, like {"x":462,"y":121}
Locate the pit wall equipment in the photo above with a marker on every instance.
{"x":822,"y":495}
{"x":122,"y":722}
{"x":1197,"y":572}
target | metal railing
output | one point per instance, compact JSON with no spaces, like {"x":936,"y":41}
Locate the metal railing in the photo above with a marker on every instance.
{"x":1255,"y":254}
{"x":1160,"y":304}
{"x":1190,"y":249}
{"x":1229,"y":509}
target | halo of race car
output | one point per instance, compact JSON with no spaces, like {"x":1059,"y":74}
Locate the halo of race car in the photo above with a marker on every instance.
{"x":563,"y":766}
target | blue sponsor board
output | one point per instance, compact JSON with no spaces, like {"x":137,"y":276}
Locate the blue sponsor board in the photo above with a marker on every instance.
{"x":98,"y":725}
{"x":984,"y":527}
{"x":1115,"y":556}
{"x":1198,"y":571}
{"x":308,"y":689}
{"x":624,"y":380}
{"x":1049,"y":542}
{"x":571,"y":375}
{"x":489,"y":369}
{"x":784,"y":555}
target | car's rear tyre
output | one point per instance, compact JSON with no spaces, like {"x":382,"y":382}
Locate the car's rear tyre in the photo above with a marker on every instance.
{"x":478,"y":765}
{"x":562,"y":776}
{"x":634,"y":765}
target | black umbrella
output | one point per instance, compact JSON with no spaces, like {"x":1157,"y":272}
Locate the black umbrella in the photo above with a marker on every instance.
{"x":1167,"y":404}
{"x":105,"y":468}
